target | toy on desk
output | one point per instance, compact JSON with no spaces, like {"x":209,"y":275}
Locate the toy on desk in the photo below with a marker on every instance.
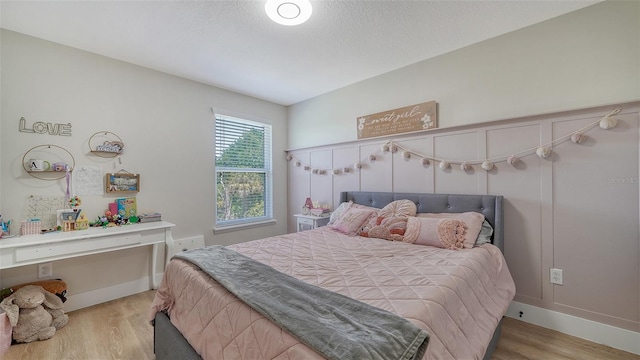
{"x":75,"y":201}
{"x":100,"y":221}
{"x":109,"y":215}
{"x":5,"y":228}
{"x":109,"y":220}
{"x":69,"y":219}
{"x":82,"y":223}
{"x":119,"y":220}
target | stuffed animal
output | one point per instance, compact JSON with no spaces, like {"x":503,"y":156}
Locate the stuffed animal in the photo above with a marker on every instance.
{"x":55,"y":286}
{"x":34,"y":314}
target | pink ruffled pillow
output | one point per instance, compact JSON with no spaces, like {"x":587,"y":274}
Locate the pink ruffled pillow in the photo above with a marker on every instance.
{"x":352,"y":220}
{"x":442,"y":233}
{"x":398,"y":208}
{"x":395,"y":209}
{"x":472,"y":220}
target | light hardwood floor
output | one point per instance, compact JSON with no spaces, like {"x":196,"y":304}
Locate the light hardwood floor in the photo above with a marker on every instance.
{"x":119,"y":330}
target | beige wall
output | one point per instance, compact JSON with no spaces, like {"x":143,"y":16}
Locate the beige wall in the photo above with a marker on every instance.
{"x":167,"y":127}
{"x":577,"y":210}
{"x":572,"y":211}
{"x":586,"y":58}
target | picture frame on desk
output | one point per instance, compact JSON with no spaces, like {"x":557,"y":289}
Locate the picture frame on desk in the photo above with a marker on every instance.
{"x":122,"y":183}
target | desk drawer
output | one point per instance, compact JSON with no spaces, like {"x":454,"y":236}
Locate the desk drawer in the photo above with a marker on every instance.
{"x":74,"y":247}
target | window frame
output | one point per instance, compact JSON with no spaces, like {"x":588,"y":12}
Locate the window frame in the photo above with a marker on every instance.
{"x":267,"y":170}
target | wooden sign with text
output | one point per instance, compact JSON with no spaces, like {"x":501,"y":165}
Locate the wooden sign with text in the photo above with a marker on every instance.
{"x":407,"y":119}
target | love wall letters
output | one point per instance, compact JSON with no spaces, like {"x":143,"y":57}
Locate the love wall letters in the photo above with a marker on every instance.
{"x":45,"y":128}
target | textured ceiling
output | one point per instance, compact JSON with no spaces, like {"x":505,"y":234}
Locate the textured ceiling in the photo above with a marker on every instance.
{"x":233,"y":45}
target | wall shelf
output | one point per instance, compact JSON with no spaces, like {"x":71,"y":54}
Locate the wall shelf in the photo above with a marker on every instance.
{"x":105,"y":144}
{"x":64,"y":160}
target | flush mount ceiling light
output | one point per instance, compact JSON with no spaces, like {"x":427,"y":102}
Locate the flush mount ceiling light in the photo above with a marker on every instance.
{"x":288,"y":12}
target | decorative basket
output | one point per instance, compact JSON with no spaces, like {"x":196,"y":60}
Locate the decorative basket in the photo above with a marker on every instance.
{"x":29,"y":227}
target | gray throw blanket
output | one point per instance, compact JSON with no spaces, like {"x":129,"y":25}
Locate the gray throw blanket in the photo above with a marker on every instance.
{"x":336,"y":326}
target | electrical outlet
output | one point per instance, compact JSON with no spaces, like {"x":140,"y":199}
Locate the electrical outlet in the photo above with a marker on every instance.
{"x":45,"y":270}
{"x":555,"y":276}
{"x":189,"y":243}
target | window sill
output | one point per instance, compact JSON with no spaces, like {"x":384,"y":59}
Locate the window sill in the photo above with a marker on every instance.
{"x":231,"y":228}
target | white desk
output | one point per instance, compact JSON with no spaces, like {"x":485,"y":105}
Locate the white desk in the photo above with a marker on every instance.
{"x":35,"y":249}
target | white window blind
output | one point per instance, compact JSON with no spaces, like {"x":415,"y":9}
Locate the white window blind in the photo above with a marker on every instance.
{"x":243,"y":171}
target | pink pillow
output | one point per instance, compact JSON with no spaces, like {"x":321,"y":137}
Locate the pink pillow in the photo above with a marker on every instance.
{"x":352,"y":220}
{"x":442,"y":233}
{"x":394,"y":209}
{"x":473,"y":220}
{"x":390,"y":228}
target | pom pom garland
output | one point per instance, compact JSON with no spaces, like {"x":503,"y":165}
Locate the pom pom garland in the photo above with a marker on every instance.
{"x":487,"y":165}
{"x":608,"y":123}
{"x":543,"y":152}
{"x":578,"y":137}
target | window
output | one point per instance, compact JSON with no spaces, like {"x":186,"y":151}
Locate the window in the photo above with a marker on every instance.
{"x":243,"y":171}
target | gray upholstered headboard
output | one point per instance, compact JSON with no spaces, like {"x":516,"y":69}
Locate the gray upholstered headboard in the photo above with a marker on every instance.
{"x":489,"y":205}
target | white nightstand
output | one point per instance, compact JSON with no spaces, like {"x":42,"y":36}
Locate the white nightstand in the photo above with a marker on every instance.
{"x":308,"y":222}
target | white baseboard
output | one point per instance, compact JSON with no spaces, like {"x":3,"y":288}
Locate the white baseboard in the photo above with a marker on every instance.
{"x":99,"y":296}
{"x":612,"y":336}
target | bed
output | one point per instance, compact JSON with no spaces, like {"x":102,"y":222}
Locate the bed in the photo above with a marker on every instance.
{"x":195,"y":317}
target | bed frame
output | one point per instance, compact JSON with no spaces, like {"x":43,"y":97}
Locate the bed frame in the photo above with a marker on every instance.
{"x":170,"y":344}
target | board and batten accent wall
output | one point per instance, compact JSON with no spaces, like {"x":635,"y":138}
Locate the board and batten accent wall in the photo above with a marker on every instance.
{"x":577,"y":210}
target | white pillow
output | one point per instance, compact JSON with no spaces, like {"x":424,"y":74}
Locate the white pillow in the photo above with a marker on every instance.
{"x":337,"y":213}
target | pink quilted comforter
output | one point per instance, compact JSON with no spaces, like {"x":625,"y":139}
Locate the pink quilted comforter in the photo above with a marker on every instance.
{"x":458,"y":297}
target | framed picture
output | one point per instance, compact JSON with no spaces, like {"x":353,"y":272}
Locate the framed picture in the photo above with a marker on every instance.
{"x":118,"y":183}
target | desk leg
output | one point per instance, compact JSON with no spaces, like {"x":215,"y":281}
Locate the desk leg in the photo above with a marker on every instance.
{"x":152,"y":271}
